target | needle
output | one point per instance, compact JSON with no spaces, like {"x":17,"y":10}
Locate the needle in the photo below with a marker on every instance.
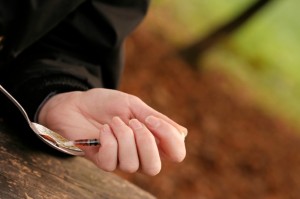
{"x":83,"y":142}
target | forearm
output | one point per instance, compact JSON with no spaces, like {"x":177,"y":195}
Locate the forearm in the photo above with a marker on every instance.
{"x":82,"y":51}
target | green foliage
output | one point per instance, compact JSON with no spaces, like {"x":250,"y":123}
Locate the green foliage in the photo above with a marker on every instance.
{"x":198,"y":17}
{"x":264,"y":53}
{"x":269,"y":46}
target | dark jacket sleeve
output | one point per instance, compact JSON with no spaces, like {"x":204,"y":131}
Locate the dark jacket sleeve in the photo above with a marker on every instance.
{"x":59,"y":46}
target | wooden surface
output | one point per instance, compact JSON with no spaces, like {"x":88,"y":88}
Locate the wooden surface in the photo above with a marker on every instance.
{"x":28,"y":171}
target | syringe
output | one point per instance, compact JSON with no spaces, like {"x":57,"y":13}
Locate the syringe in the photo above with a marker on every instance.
{"x":83,"y":142}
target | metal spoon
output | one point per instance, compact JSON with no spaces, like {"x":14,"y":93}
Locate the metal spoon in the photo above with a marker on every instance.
{"x":48,"y":136}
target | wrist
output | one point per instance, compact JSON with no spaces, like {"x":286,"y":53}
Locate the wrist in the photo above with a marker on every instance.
{"x":57,"y":102}
{"x":41,"y":107}
{"x":35,"y":93}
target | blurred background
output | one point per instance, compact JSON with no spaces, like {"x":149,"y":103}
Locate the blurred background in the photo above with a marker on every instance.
{"x":230,"y":72}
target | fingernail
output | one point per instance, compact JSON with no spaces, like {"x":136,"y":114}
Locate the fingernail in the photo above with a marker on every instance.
{"x":184,"y":132}
{"x":106,"y":128}
{"x":117,"y":121}
{"x":134,"y":123}
{"x":152,"y":121}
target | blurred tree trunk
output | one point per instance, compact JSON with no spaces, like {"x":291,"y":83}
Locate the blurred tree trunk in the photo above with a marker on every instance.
{"x":192,"y":52}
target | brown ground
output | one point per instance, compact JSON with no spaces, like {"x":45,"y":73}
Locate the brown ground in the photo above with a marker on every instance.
{"x":234,"y":148}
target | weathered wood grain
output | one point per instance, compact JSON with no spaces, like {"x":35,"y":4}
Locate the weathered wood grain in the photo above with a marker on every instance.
{"x":27,"y":172}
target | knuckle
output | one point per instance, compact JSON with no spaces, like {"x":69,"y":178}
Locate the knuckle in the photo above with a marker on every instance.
{"x":109,"y":144}
{"x":108,"y":167}
{"x":126,"y":133}
{"x":152,"y":171}
{"x":145,"y":138}
{"x":134,"y":98}
{"x":129,"y":167}
{"x":179,"y":156}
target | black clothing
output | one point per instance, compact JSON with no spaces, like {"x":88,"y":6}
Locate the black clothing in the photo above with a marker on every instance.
{"x":59,"y":46}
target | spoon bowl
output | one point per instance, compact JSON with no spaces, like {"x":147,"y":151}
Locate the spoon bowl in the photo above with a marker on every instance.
{"x":50,"y":137}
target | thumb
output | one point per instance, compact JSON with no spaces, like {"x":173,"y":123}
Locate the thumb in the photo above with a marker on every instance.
{"x":141,"y":111}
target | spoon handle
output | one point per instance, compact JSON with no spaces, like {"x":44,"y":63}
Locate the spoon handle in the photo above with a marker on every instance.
{"x":18,"y":105}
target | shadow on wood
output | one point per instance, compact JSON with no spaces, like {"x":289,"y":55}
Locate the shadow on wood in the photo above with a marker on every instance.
{"x":27,"y":172}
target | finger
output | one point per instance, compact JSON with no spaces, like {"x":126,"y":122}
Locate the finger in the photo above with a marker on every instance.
{"x":106,"y":157}
{"x":141,"y":111}
{"x":127,"y":152}
{"x":147,"y":148}
{"x":171,"y":141}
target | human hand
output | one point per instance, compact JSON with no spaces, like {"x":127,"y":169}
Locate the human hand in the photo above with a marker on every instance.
{"x":132,"y":135}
